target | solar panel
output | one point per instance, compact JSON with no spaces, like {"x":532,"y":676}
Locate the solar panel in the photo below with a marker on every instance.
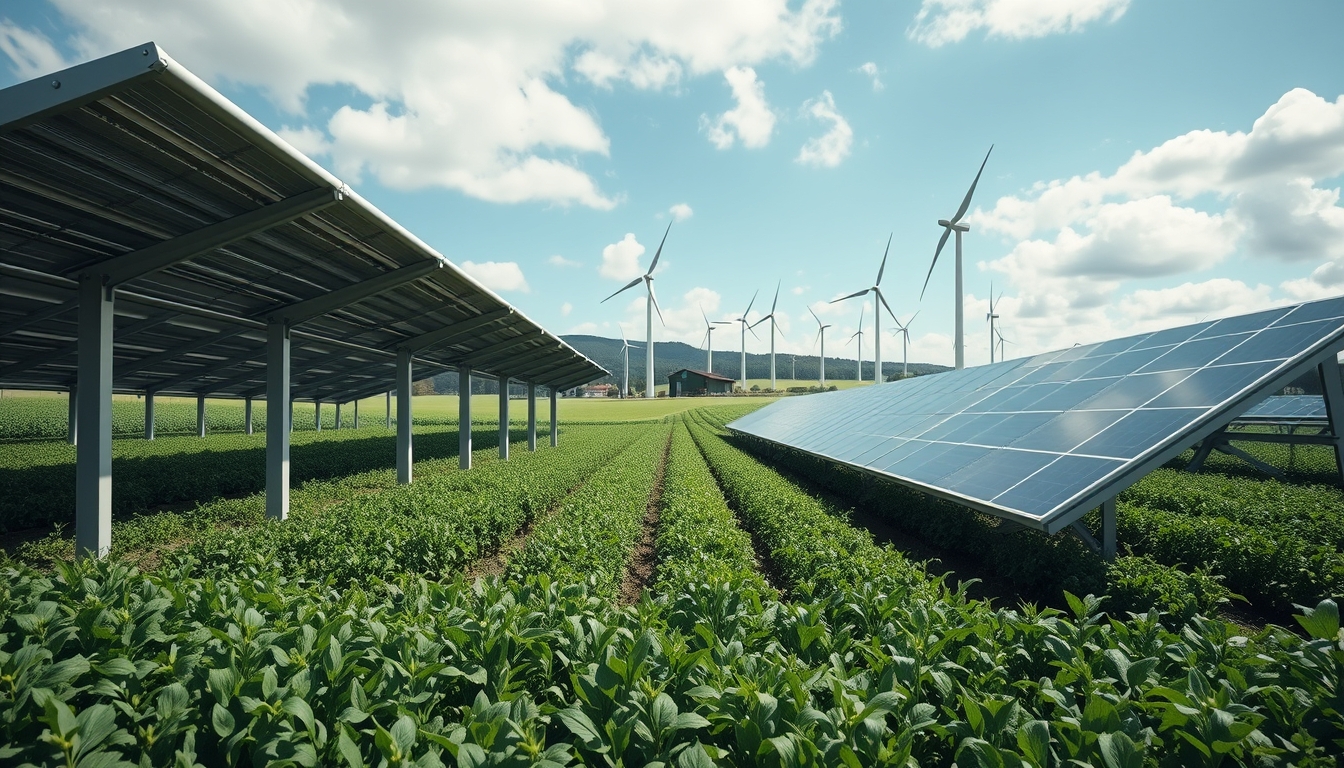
{"x":1044,"y":439}
{"x":1287,"y":409}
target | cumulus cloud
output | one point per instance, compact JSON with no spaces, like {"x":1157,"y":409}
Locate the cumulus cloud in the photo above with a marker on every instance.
{"x":465,"y":96}
{"x":751,"y":120}
{"x":556,"y":260}
{"x":681,"y":212}
{"x":939,"y":22}
{"x":497,"y":275}
{"x":869,"y":68}
{"x":620,"y":260}
{"x":832,"y":147}
{"x":565,"y":309}
{"x":30,"y":53}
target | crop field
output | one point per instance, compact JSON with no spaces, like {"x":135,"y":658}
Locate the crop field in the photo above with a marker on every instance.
{"x":652,"y":591}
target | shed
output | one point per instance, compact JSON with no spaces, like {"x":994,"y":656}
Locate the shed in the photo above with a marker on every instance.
{"x":686,"y":382}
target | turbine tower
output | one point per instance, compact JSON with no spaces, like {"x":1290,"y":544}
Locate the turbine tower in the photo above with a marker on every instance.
{"x":877,"y":313}
{"x":1002,"y":343}
{"x":647,"y":279}
{"x":949,"y":226}
{"x":625,"y":352}
{"x":745,"y":328}
{"x":991,"y":317}
{"x":821,"y":336}
{"x":903,"y":330}
{"x":858,"y":376}
{"x":771,"y":318}
{"x":709,"y":339}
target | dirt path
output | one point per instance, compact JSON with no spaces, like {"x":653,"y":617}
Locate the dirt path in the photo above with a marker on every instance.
{"x":644,"y":560}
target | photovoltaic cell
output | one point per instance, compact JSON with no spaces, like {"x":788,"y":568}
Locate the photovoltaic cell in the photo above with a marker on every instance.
{"x":1040,"y":439}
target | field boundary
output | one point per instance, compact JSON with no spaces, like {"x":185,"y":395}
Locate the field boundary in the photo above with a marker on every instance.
{"x":643,"y":563}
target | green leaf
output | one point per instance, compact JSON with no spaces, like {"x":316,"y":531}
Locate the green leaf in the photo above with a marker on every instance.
{"x":581,"y":726}
{"x":403,"y":733}
{"x":881,"y":704}
{"x":1118,"y":751}
{"x":690,"y":720}
{"x":1033,"y":738}
{"x":222,"y":720}
{"x":299,"y":708}
{"x":694,"y":756}
{"x":978,"y":752}
{"x":348,"y":748}
{"x":1321,"y":622}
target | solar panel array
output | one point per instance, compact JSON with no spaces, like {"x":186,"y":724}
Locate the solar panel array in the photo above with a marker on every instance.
{"x":1036,"y":438}
{"x":1287,"y":409}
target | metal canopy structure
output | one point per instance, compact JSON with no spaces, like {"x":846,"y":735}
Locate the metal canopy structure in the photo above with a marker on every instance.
{"x":155,"y":238}
{"x":1043,"y":440}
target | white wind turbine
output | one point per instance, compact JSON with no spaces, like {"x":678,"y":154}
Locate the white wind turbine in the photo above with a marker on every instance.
{"x":878,"y":303}
{"x":949,"y":226}
{"x":821,"y":336}
{"x":647,"y":279}
{"x":771,"y":318}
{"x":903,"y":330}
{"x":991,"y":317}
{"x":746,"y":327}
{"x":709,"y":339}
{"x":626,"y":346}
{"x":1002,"y":343}
{"x":858,"y":375}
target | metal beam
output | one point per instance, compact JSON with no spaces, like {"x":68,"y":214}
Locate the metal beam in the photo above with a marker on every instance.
{"x":1332,"y":387}
{"x":149,"y":416}
{"x":504,"y":417}
{"x":46,"y":313}
{"x":93,"y":461}
{"x":278,"y":418}
{"x":508,"y":351}
{"x":464,"y":417}
{"x":212,"y":237}
{"x":173,"y":353}
{"x":455,"y":332}
{"x":555,"y":432}
{"x":317,"y":306}
{"x":33,"y":100}
{"x":404,"y":416}
{"x":531,"y":416}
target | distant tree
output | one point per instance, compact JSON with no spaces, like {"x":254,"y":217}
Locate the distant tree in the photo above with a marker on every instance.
{"x":423,"y":387}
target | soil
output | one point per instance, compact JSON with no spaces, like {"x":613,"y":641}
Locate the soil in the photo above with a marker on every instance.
{"x":644,"y":560}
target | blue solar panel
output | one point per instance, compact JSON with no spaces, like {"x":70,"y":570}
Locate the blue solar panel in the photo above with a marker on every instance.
{"x":1043,"y":439}
{"x":1287,"y":409}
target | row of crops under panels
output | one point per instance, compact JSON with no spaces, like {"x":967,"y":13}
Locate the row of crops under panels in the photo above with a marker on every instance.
{"x":486,"y":617}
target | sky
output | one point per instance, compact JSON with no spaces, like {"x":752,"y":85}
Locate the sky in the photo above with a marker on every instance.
{"x":1153,"y":163}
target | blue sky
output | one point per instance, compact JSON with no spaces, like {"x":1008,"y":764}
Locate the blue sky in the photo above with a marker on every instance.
{"x":542,"y":145}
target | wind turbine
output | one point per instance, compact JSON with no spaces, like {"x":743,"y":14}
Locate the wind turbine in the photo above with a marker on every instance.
{"x":709,"y":339}
{"x":625,"y":352}
{"x":991,"y":317}
{"x":821,"y":336}
{"x":903,"y":330}
{"x":771,"y":318}
{"x":746,"y":327}
{"x":949,"y":226}
{"x":859,"y":333}
{"x":877,"y":313}
{"x":647,"y":279}
{"x":1002,"y":343}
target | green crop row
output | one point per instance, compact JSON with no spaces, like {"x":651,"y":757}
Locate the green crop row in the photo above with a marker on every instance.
{"x":593,"y":533}
{"x":101,"y":664}
{"x":434,"y":526}
{"x":699,"y":541}
{"x":810,"y":544}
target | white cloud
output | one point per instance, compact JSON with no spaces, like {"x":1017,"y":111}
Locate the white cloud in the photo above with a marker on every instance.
{"x":799,"y":290}
{"x":1193,"y":302}
{"x":1324,"y":281}
{"x":466,"y":96}
{"x":565,"y":309}
{"x":497,"y":275}
{"x":831,"y":148}
{"x":681,"y":212}
{"x":30,"y":53}
{"x":556,"y":260}
{"x":869,"y":68}
{"x":939,"y":22}
{"x":620,"y":260}
{"x":751,"y":120}
{"x":584,"y":329}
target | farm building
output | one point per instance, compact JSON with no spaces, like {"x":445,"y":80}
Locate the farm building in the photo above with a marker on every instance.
{"x":686,"y":383}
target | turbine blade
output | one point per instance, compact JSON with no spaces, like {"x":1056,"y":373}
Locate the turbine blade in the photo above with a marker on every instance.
{"x":814,"y":316}
{"x":702,"y":314}
{"x":758,"y":322}
{"x":627,"y":287}
{"x":753,"y":301}
{"x":753,"y":333}
{"x":966,"y":203}
{"x":883,"y":268}
{"x":656,"y":308}
{"x":852,"y":295}
{"x":912,"y":318}
{"x":941,"y":242}
{"x":774,"y":303}
{"x":659,"y":252}
{"x":705,"y":340}
{"x":883,"y":299}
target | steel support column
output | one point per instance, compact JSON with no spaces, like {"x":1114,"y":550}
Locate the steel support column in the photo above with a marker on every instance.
{"x":279,"y":420}
{"x":464,"y":417}
{"x":200,"y":415}
{"x":149,"y":415}
{"x":1108,"y":544}
{"x":403,"y":416}
{"x":356,"y":414}
{"x":555,"y":433}
{"x":93,"y":458}
{"x":1333,"y":388}
{"x":247,"y":415}
{"x":72,"y":417}
{"x":317,"y":415}
{"x":338,"y":414}
{"x":504,"y":417}
{"x":388,"y":423}
{"x":531,"y":416}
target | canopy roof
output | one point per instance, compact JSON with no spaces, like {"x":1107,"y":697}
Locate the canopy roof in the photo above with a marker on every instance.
{"x":131,"y":170}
